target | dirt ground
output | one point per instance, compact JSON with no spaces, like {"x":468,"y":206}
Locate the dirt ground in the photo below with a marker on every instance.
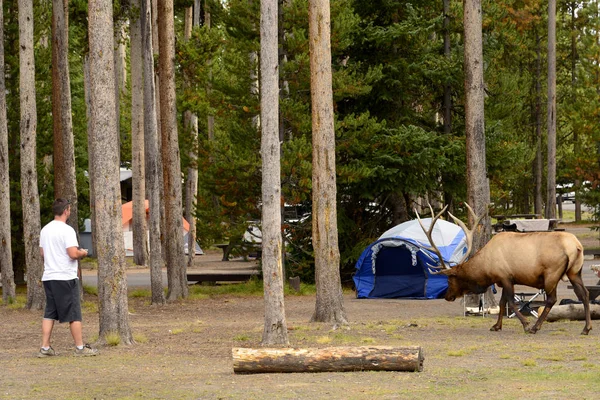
{"x":183,"y":351}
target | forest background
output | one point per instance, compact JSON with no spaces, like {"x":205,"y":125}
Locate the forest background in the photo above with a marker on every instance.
{"x":391,"y":72}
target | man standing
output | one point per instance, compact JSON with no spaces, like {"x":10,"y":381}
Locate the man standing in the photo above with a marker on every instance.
{"x":60,"y":251}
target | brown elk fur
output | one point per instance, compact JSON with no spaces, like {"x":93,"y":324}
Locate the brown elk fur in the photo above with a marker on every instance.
{"x":537,"y":259}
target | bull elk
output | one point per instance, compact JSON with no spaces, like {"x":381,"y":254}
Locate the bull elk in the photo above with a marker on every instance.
{"x":536,"y":259}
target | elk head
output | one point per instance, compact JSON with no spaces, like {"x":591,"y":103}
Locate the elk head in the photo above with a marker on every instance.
{"x":457,"y":285}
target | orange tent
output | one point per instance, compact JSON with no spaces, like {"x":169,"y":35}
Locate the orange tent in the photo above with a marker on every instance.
{"x":127,"y":216}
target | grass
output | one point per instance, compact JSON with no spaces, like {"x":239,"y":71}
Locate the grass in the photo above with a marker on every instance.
{"x":242,"y":338}
{"x":113,"y":339}
{"x":140,"y":293}
{"x":140,"y":338}
{"x":89,"y":289}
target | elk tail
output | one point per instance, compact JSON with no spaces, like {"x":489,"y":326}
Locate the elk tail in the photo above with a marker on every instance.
{"x":575,"y":263}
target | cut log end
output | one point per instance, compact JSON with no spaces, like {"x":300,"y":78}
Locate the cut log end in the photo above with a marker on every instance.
{"x":330,"y":359}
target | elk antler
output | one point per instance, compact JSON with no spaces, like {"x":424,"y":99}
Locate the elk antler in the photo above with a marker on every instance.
{"x":433,"y":247}
{"x":468,"y":232}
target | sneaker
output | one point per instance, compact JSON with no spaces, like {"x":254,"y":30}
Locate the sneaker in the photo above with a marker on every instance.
{"x":86,"y":351}
{"x":46,"y":353}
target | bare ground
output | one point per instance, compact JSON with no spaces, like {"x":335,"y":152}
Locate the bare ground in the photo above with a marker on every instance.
{"x":184,"y":352}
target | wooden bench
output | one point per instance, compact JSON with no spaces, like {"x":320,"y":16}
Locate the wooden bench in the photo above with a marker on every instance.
{"x":226,"y":276}
{"x":593,"y":289}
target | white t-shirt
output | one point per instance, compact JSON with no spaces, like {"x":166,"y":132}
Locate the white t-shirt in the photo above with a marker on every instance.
{"x":55,"y":238}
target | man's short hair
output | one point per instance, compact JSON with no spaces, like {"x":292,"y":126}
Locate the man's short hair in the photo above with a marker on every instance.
{"x":59,"y":206}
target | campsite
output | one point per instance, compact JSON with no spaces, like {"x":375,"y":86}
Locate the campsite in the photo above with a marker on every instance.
{"x":183,"y":350}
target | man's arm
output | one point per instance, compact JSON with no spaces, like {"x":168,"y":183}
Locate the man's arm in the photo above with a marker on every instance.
{"x":76,"y":253}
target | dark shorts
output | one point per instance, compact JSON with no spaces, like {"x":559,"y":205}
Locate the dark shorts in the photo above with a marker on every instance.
{"x":62,"y":300}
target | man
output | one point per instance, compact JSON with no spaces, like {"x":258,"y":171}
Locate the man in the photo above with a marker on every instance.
{"x":60,"y":251}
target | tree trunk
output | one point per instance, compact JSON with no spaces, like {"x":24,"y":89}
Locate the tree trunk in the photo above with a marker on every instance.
{"x":155,"y":49}
{"x":112,"y":280}
{"x":90,"y":144}
{"x":190,"y":123}
{"x":29,"y":181}
{"x":140,"y":237}
{"x":330,"y":359}
{"x":576,"y":144}
{"x":65,"y":179}
{"x":447,"y":87}
{"x":120,"y":71}
{"x":551,"y":179}
{"x":329,"y":304}
{"x":176,"y":267}
{"x":275,"y":329}
{"x":153,"y":171}
{"x":538,"y":166}
{"x":6,"y":264}
{"x":478,"y":193}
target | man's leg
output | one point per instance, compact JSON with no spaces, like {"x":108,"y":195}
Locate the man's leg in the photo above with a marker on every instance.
{"x":47,"y":325}
{"x":76,"y":332}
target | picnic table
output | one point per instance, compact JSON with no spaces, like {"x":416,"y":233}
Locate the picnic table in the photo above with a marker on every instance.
{"x":524,"y":223}
{"x":245,"y":247}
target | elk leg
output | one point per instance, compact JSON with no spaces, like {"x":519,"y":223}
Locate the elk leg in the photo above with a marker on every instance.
{"x":510,"y":298}
{"x":550,"y":301}
{"x":498,"y":325}
{"x":583,"y":296}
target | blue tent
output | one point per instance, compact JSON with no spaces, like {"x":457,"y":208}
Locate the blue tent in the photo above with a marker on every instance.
{"x":396,"y":265}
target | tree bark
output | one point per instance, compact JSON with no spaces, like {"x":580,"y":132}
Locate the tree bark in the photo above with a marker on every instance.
{"x":29,"y":180}
{"x":538,"y":166}
{"x":156,"y":50}
{"x":176,"y":267}
{"x":478,"y":193}
{"x":330,"y":359}
{"x":90,"y":144}
{"x":65,"y":179}
{"x":6,"y":264}
{"x":275,"y":328}
{"x":551,"y":178}
{"x":576,"y":142}
{"x":190,"y":123}
{"x":119,"y":71}
{"x":153,"y":171}
{"x":140,"y":237}
{"x":447,"y":87}
{"x":112,"y":280}
{"x":329,"y":303}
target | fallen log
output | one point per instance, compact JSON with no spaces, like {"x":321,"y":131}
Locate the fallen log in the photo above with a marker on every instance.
{"x":330,"y":359}
{"x":571,"y":311}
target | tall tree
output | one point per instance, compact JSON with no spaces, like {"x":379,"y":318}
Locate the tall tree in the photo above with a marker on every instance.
{"x":29,"y":182}
{"x":152,"y":159}
{"x":112,"y":280}
{"x":538,"y":168}
{"x":576,"y":145}
{"x":120,"y":70}
{"x":176,"y":267}
{"x":447,"y":86}
{"x":140,"y":238}
{"x":551,"y":178}
{"x":329,"y":303}
{"x":190,"y":126}
{"x":478,"y":191}
{"x":275,"y":329}
{"x":65,"y":180}
{"x":6,"y":265}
